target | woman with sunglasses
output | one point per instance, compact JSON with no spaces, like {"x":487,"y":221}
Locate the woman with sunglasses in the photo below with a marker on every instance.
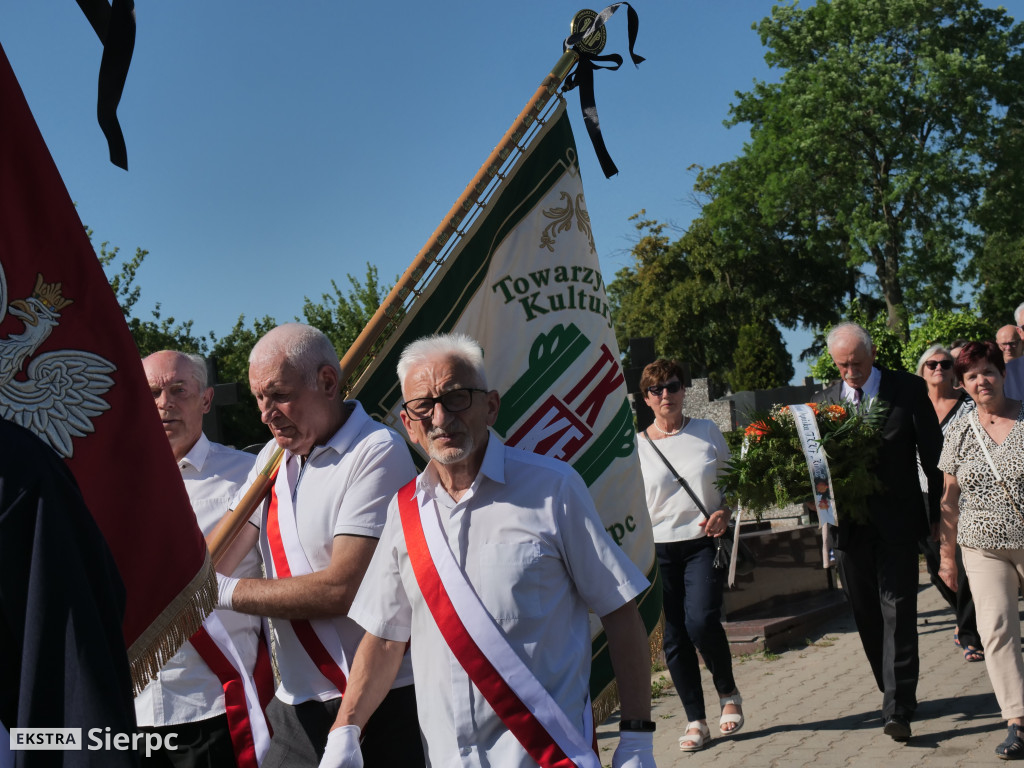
{"x":686,"y":519}
{"x":935,"y":366}
{"x":983,"y":513}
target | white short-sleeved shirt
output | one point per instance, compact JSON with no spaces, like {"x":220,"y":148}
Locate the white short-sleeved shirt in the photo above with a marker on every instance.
{"x":529,"y":540}
{"x":699,"y":454}
{"x":343,"y":489}
{"x":186,"y":690}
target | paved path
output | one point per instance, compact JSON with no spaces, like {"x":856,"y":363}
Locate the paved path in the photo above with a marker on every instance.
{"x":818,"y":706}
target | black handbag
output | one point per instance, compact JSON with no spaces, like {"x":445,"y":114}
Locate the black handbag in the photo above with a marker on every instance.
{"x":745,"y":560}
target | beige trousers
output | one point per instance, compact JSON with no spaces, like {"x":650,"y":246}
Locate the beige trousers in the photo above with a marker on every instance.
{"x":996,"y":575}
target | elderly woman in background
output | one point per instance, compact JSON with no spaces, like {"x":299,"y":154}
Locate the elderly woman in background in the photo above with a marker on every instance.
{"x":686,"y":521}
{"x":983,"y":512}
{"x":935,"y":366}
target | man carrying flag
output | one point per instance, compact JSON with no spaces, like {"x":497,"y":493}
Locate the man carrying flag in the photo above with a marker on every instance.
{"x":206,"y":694}
{"x":488,"y":565}
{"x":317,"y":532}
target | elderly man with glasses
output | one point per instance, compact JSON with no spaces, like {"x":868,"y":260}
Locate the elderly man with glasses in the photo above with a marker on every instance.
{"x":489,"y":565}
{"x":1013,"y":386}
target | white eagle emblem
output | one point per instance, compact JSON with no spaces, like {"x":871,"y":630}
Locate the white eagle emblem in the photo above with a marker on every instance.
{"x":61,"y":390}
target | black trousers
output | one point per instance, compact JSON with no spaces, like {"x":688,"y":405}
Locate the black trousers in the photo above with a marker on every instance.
{"x":880,"y":580}
{"x":203,"y":744}
{"x":391,"y":738}
{"x":692,"y":597}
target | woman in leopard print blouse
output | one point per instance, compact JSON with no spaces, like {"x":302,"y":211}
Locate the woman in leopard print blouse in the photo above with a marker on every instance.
{"x":983,"y":514}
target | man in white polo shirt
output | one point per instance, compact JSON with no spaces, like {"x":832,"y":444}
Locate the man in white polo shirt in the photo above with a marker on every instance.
{"x":317,"y":532}
{"x":187,"y":698}
{"x":488,"y":566}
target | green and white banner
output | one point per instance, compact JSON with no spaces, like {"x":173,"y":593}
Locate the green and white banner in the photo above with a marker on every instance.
{"x":526,"y":283}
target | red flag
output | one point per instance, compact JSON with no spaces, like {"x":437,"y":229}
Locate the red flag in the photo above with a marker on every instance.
{"x":70,"y":372}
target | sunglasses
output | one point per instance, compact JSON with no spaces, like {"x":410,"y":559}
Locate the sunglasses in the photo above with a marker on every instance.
{"x":945,"y":365}
{"x":672,"y":387}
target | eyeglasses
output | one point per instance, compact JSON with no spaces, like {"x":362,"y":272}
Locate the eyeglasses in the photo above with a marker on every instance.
{"x":453,"y":401}
{"x":672,"y":387}
{"x":945,"y":365}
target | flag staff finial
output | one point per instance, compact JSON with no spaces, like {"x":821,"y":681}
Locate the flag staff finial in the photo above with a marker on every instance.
{"x":449,"y":224}
{"x":587,"y":37}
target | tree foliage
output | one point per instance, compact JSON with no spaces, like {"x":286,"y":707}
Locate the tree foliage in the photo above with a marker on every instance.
{"x":342,"y":317}
{"x":339,"y":315}
{"x":878,"y":138}
{"x":149,"y":335}
{"x":761,"y":360}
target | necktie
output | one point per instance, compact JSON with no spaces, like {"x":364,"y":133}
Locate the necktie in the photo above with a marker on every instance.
{"x":857,"y":394}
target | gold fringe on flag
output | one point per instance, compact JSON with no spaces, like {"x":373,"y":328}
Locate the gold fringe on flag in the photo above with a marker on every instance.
{"x":175,"y":624}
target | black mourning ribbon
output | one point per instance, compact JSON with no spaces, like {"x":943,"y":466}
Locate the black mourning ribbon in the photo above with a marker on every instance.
{"x":114,"y":24}
{"x":583,"y":76}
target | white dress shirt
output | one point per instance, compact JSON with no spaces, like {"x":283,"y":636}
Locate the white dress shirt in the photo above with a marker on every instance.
{"x":343,"y":488}
{"x":870,"y":388}
{"x":185,"y":690}
{"x":530,"y":542}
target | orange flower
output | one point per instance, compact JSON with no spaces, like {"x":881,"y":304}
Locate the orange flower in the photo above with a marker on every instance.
{"x":756,"y":430}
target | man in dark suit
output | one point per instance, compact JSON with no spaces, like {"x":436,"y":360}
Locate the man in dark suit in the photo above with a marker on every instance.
{"x":877,"y":559}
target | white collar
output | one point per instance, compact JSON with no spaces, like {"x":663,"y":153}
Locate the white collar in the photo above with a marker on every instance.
{"x":196,"y":457}
{"x":870,"y":388}
{"x":492,"y":467}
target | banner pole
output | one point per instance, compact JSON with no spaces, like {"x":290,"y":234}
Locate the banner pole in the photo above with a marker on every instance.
{"x":230,"y":525}
{"x":449,"y":225}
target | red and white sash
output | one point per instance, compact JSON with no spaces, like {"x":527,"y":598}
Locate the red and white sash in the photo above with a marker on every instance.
{"x":283,"y":551}
{"x":245,"y":697}
{"x":479,"y":645}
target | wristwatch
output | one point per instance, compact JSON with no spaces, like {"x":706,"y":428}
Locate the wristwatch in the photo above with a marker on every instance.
{"x":637,"y":725}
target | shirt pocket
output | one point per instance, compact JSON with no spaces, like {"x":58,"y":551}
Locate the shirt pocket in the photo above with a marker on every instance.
{"x":511,"y":579}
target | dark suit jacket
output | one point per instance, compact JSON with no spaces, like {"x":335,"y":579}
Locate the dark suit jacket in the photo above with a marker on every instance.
{"x":1013,"y":387}
{"x":898,"y":511}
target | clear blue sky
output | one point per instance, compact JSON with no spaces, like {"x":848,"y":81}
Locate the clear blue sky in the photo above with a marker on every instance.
{"x":273,"y":147}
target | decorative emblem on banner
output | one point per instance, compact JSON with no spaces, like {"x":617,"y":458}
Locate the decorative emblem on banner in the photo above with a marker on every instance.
{"x":60,"y":392}
{"x":563,"y":221}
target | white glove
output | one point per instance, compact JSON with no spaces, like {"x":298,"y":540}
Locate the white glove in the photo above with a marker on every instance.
{"x":225,"y":589}
{"x":343,"y":748}
{"x":635,"y":750}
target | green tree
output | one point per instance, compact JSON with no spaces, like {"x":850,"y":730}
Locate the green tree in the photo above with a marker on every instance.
{"x":342,"y":317}
{"x":230,"y":354}
{"x":761,"y":360}
{"x":149,"y":335}
{"x":942,"y":326}
{"x":879,"y":135}
{"x":664,"y":294}
{"x":999,"y":272}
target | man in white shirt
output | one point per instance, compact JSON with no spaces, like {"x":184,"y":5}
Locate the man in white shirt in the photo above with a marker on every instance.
{"x":513,"y":556}
{"x":317,"y":532}
{"x":188,"y":697}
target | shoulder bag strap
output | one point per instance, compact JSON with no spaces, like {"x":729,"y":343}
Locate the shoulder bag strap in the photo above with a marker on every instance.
{"x":991,"y":464}
{"x":682,"y":482}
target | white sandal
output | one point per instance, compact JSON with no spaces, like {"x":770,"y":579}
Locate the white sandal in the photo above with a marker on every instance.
{"x":737,"y":701}
{"x":694,"y":742}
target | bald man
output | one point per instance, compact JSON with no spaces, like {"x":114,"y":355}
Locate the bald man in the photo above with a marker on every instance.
{"x":189,"y":698}
{"x":317,"y":532}
{"x":1010,"y":343}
